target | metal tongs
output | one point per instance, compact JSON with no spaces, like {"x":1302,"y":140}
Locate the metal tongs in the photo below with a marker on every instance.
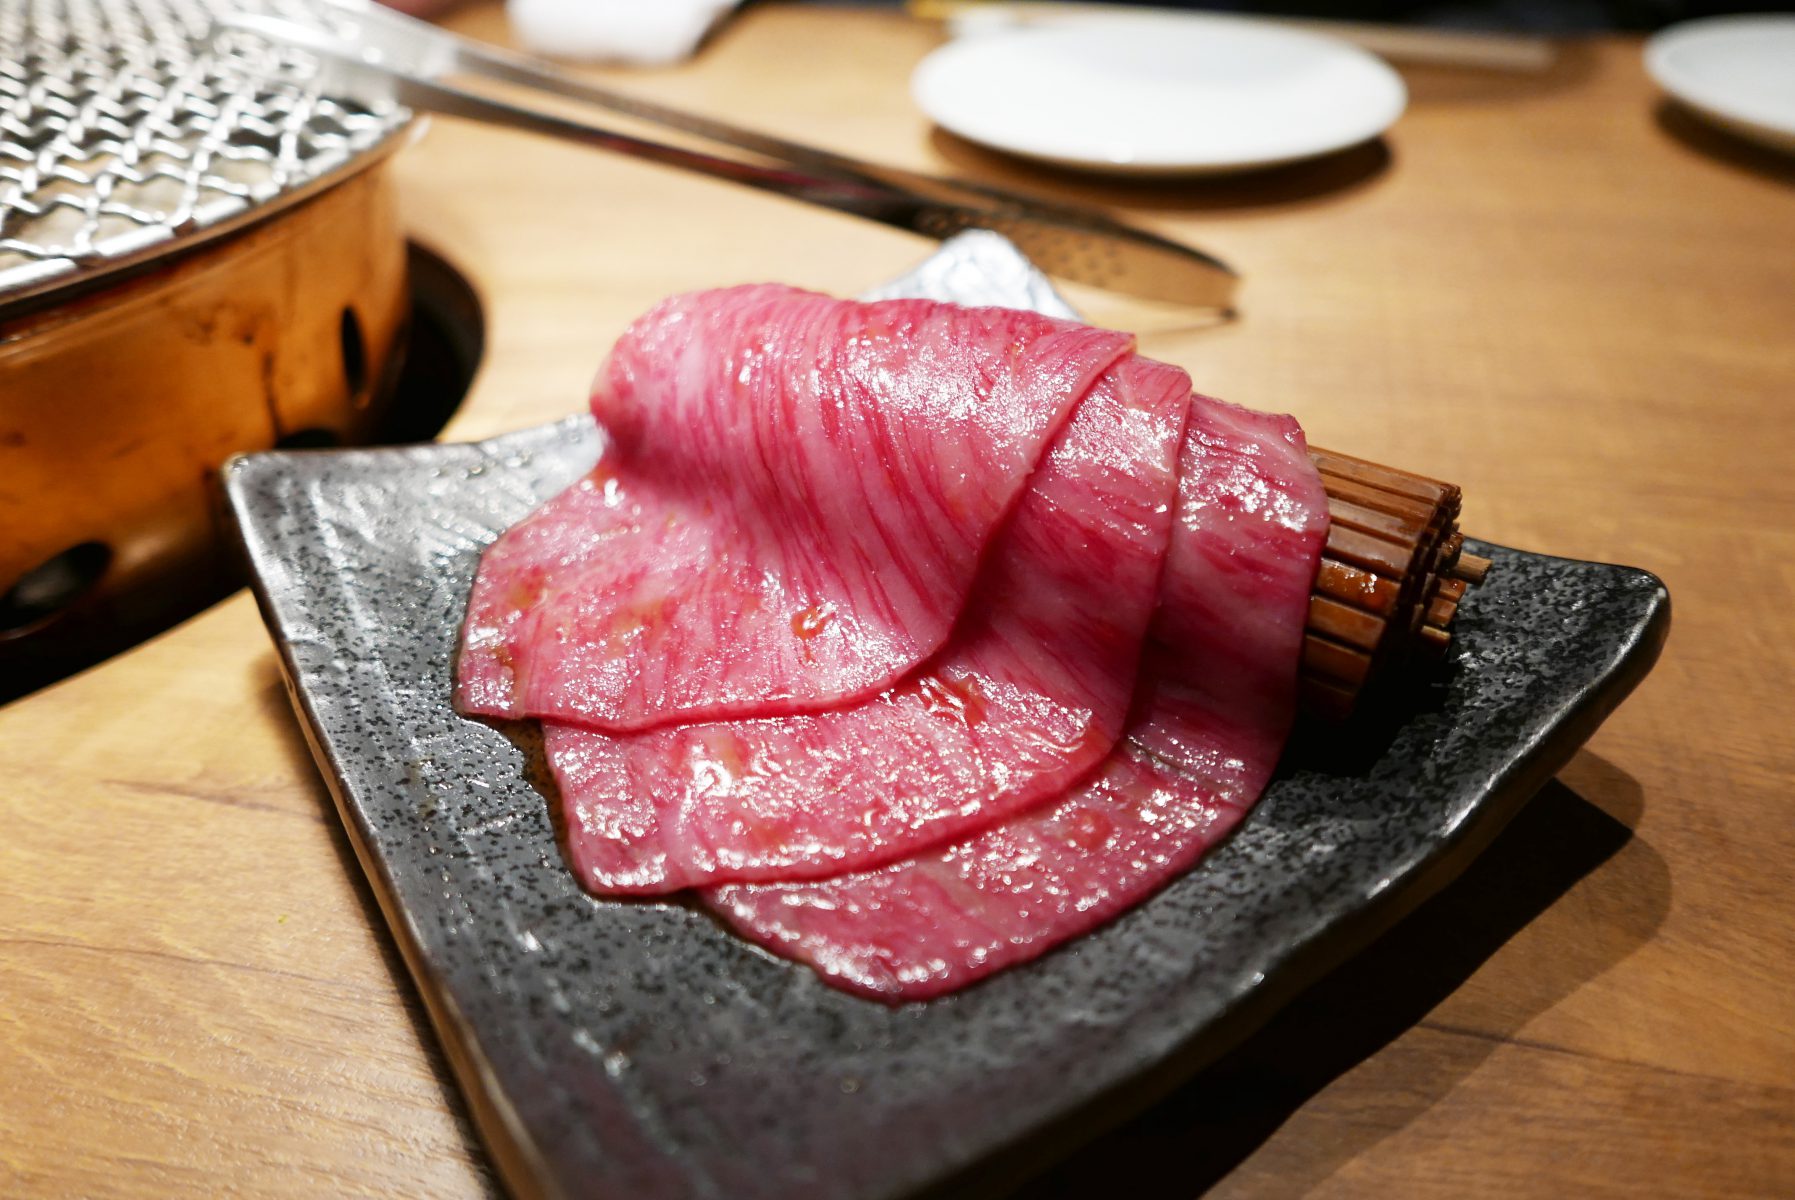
{"x":397,"y":56}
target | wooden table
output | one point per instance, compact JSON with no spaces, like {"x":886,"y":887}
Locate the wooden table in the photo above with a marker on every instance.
{"x":1541,"y":286}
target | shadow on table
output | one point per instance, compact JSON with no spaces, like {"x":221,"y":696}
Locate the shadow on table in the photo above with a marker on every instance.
{"x":1304,"y":184}
{"x":1330,"y":177}
{"x":1713,"y":142}
{"x":1200,"y":1133}
{"x":299,"y":756}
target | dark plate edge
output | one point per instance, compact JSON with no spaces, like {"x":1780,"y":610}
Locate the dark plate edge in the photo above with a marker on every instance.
{"x":520,"y":1166}
{"x":525,"y":1173}
{"x":1340,"y":940}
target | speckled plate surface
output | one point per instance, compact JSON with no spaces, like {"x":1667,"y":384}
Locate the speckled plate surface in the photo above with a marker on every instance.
{"x":626,"y":1049}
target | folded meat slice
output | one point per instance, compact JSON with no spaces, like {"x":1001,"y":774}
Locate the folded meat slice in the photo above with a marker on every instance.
{"x":1216,"y":701}
{"x":789,"y":512}
{"x":1030,"y":692}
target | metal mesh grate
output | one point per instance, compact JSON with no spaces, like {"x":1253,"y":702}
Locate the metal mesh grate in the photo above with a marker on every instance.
{"x":125,"y":132}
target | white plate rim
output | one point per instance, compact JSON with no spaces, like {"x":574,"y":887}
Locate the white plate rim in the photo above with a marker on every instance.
{"x":1378,"y":74}
{"x":1724,"y":106}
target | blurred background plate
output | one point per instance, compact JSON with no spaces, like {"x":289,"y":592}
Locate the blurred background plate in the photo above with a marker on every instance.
{"x":1152,"y":94}
{"x":1738,"y":72}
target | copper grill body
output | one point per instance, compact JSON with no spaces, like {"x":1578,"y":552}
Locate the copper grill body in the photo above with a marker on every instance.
{"x":198,"y":256}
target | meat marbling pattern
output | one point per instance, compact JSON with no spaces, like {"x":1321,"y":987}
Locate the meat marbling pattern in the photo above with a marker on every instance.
{"x":1216,"y":701}
{"x":919,"y":639}
{"x":788,"y":515}
{"x":1030,"y":692}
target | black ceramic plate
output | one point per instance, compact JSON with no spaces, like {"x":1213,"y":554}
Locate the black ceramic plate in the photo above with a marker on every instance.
{"x":637,"y":1049}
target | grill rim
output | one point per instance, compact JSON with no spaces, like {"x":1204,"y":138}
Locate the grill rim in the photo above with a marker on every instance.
{"x":37,"y":283}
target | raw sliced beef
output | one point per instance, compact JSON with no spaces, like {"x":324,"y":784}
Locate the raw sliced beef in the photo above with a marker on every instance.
{"x":1031,"y":692}
{"x":789,"y":512}
{"x":1216,"y":701}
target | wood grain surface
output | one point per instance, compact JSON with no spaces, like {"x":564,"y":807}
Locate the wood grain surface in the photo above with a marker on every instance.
{"x":1545,"y":287}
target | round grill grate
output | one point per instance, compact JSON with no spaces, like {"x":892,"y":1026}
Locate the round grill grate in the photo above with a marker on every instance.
{"x":126,"y":134}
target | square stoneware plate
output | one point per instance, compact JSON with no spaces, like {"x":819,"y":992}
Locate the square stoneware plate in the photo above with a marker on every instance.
{"x":637,"y":1049}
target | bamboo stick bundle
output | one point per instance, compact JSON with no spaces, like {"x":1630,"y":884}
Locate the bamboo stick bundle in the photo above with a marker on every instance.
{"x":1390,"y":582}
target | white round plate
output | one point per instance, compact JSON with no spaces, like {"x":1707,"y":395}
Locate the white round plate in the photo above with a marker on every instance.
{"x":1172,"y":94}
{"x":1739,"y":72}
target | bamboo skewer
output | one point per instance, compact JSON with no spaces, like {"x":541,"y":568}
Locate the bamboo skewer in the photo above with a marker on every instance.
{"x":1391,"y":579}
